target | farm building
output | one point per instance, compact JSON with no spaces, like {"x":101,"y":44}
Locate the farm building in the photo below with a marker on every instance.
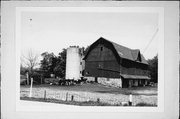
{"x":74,"y":63}
{"x":109,"y":63}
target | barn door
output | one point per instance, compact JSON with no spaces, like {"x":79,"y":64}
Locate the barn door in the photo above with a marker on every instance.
{"x":96,"y":80}
{"x":130,"y":83}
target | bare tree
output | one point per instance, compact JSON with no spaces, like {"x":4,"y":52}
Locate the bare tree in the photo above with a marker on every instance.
{"x":30,"y":60}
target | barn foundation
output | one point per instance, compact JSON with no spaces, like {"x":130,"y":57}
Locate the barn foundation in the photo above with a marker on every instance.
{"x":114,"y":82}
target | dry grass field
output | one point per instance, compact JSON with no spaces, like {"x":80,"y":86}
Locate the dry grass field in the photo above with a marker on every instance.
{"x":91,"y":93}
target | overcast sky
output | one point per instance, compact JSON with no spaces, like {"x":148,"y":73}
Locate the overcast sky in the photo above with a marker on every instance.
{"x":53,"y":31}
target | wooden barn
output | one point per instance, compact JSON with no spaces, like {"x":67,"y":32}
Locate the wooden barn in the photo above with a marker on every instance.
{"x":109,"y":63}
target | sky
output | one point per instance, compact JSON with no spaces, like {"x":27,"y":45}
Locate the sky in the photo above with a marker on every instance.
{"x":53,"y":31}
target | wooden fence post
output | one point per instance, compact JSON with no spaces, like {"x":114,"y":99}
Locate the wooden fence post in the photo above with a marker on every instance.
{"x":72,"y":97}
{"x":30,"y":94}
{"x":44,"y":94}
{"x":27,"y":76}
{"x":130,"y":100}
{"x":98,"y":100}
{"x":67,"y":96}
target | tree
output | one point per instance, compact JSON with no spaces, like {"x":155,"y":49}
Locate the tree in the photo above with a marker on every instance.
{"x":48,"y":63}
{"x":23,"y":70}
{"x":51,"y":64}
{"x":85,"y":50}
{"x":153,"y":68}
{"x":60,"y":67}
{"x":55,"y":64}
{"x":30,"y":61}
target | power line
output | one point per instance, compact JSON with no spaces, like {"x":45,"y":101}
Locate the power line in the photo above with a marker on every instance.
{"x":150,"y":40}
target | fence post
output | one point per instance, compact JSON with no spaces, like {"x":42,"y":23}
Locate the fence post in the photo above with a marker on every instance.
{"x":72,"y":97}
{"x":30,"y":94}
{"x":44,"y":94}
{"x":67,"y":96}
{"x":130,"y":100}
{"x":27,"y":76}
{"x":98,"y":100}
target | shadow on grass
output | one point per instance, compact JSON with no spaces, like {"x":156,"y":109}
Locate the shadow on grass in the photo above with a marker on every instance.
{"x":126,"y":93}
{"x":143,"y":104}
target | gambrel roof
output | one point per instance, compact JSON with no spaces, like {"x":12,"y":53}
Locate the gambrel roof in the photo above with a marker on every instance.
{"x":123,"y":52}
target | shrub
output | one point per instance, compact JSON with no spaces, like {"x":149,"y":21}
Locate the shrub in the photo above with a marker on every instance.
{"x":54,"y":81}
{"x":36,"y":78}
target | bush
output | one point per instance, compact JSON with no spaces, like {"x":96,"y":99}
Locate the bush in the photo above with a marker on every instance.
{"x":36,"y":78}
{"x":54,"y":81}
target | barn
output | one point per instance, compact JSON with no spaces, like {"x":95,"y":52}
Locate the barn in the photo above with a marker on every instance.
{"x":112,"y":64}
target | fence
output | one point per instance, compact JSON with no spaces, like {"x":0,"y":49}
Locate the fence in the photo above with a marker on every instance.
{"x":72,"y":96}
{"x":81,"y":96}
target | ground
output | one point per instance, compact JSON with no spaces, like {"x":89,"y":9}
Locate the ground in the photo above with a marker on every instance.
{"x":92,"y":93}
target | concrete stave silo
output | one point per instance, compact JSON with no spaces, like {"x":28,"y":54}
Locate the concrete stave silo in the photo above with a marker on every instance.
{"x":73,"y":63}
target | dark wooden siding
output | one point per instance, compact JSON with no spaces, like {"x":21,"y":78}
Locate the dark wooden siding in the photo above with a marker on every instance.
{"x":101,"y":62}
{"x":133,"y":68}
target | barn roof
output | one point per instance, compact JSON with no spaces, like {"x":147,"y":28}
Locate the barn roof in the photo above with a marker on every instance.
{"x":123,"y":52}
{"x":128,"y":53}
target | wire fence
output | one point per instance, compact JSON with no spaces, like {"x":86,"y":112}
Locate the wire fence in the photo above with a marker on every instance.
{"x":71,"y":96}
{"x":80,"y":96}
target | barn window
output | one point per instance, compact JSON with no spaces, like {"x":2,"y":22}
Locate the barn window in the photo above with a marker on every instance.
{"x":101,"y":48}
{"x":139,"y":57}
{"x":80,"y":63}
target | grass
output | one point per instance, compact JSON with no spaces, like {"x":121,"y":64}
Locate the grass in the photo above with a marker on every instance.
{"x":145,"y":104}
{"x":102,"y":89}
{"x":95,"y":90}
{"x":85,"y":103}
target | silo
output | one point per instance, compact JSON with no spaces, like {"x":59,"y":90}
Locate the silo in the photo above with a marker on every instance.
{"x":73,"y":63}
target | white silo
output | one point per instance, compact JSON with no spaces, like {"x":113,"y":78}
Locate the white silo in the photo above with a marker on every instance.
{"x":73,"y":63}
